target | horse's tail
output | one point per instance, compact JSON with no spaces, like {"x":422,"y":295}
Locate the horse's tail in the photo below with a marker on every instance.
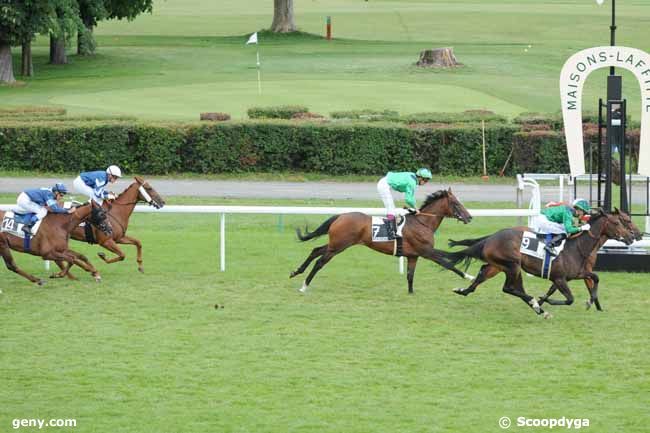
{"x":466,"y":242}
{"x":320,"y":231}
{"x":466,"y":256}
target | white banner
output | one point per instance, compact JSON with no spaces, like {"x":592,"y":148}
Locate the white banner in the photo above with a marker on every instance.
{"x":575,"y":73}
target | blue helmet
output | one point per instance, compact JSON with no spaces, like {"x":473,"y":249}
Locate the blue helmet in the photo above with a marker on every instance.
{"x":60,"y":188}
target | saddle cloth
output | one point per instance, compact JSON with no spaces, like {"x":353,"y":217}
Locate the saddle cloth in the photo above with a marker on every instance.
{"x":532,"y":245}
{"x":13,"y":223}
{"x":380,"y":231}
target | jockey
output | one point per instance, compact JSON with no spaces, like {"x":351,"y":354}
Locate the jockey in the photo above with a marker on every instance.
{"x":40,"y":201}
{"x":405,"y":182}
{"x":558,"y":221}
{"x":92,"y":183}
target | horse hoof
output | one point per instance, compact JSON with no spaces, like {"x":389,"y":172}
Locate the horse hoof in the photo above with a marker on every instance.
{"x":101,"y":256}
{"x":547,"y":315}
{"x":141,"y":269}
{"x":98,"y":278}
{"x":293,"y":274}
{"x":588,"y":305}
{"x":304,"y":288}
{"x":459,"y":292}
{"x":40,"y":282}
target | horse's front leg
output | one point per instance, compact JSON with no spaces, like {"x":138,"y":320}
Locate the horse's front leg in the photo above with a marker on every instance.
{"x":127,"y":240}
{"x":561,"y":285}
{"x":410,"y":273}
{"x":591,"y":281}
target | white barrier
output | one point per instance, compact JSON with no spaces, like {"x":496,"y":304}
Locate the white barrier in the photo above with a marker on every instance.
{"x":294,"y":210}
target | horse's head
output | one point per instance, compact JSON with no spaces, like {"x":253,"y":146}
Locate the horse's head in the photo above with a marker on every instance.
{"x":446,"y":204}
{"x":147,"y":194}
{"x":611,"y":227}
{"x":98,"y":218}
{"x":629,"y":225}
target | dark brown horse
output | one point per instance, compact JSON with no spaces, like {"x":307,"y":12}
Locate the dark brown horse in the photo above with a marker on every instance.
{"x":119,"y":211}
{"x":501,"y":251}
{"x":51,"y":241}
{"x":591,"y":279}
{"x":354,"y":228}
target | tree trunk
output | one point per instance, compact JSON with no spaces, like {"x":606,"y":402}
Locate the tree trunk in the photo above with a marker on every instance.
{"x":6,"y":64}
{"x":283,"y":16}
{"x":27,"y":67}
{"x":57,"y":50}
{"x":438,"y":58}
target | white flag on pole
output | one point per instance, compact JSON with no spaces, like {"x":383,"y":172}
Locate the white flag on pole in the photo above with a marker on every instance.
{"x":252,"y":39}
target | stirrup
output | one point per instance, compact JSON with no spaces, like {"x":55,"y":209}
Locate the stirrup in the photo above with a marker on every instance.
{"x":27,"y":229}
{"x":550,"y":250}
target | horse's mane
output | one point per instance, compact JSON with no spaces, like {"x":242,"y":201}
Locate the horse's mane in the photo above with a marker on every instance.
{"x":433,"y":197}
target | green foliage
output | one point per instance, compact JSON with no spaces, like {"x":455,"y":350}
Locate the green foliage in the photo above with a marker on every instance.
{"x":540,"y":152}
{"x":277,"y":112}
{"x":551,"y":121}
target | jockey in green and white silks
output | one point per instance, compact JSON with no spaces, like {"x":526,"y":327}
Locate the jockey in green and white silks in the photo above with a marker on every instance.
{"x":405,"y":182}
{"x":559,"y":221}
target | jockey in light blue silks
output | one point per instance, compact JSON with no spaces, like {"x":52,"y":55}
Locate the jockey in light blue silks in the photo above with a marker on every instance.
{"x":405,"y":182}
{"x":92,"y":183}
{"x":40,"y":201}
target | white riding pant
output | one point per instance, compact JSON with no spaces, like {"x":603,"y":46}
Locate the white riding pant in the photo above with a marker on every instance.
{"x":384,"y":192}
{"x":26,"y":205}
{"x":84,"y":189}
{"x":541,"y":224}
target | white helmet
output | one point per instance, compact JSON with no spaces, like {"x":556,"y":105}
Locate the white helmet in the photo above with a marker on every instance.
{"x":114,"y":170}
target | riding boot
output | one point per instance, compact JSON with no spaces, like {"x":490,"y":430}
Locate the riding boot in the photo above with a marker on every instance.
{"x":27,"y":229}
{"x":391,"y":227}
{"x":555,"y":240}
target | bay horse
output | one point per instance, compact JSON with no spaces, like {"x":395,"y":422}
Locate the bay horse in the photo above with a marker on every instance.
{"x":500,"y":251}
{"x":119,"y":211}
{"x":51,"y":240}
{"x":591,"y":279}
{"x":354,"y":228}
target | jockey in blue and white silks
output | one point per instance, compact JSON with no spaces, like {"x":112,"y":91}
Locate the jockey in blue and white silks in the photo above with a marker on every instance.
{"x":92,"y":183}
{"x":41,"y":201}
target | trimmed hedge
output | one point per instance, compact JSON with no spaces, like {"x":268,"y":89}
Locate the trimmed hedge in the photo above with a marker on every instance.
{"x":470,"y":116}
{"x":279,"y":112}
{"x":370,"y":148}
{"x":540,"y":152}
{"x":366,"y":115}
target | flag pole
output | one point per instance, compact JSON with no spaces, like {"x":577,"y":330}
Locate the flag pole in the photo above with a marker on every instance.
{"x":259,"y":74}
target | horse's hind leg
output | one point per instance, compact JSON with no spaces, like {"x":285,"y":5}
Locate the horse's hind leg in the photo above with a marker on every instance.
{"x":322,"y":261}
{"x":316,"y":252}
{"x":514,"y":286}
{"x":487,"y":271}
{"x":5,"y":251}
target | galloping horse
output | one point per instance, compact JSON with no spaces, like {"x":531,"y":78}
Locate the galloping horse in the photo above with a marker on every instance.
{"x":119,"y":212}
{"x":501,"y":252}
{"x":51,"y":240}
{"x":591,"y":279}
{"x":355,"y":228}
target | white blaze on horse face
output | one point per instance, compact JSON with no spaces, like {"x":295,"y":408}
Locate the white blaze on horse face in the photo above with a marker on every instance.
{"x":145,"y":194}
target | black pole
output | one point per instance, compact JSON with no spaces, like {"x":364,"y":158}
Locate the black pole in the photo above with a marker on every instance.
{"x":612,"y":30}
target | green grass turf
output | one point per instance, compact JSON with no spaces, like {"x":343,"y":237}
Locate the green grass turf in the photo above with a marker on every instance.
{"x":150,"y":353}
{"x":184,"y":59}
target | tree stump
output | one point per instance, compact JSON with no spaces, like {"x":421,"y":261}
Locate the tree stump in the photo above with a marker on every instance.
{"x":438,"y":58}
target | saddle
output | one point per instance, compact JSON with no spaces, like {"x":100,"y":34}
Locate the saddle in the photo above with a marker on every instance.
{"x":533,"y":245}
{"x":13,"y":223}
